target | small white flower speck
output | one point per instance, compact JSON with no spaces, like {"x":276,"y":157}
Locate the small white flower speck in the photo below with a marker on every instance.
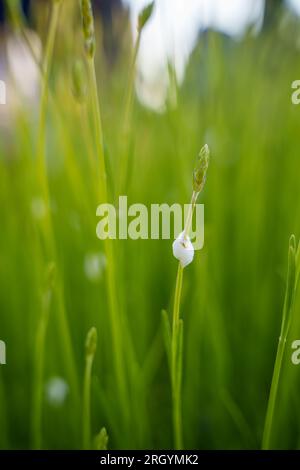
{"x":57,"y":390}
{"x":183,"y":250}
{"x":94,"y":265}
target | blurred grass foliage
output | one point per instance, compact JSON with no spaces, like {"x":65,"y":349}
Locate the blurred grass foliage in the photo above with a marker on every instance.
{"x":235,"y":97}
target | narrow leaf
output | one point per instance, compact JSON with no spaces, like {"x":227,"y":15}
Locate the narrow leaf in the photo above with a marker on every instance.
{"x":290,"y":289}
{"x":167,"y":335}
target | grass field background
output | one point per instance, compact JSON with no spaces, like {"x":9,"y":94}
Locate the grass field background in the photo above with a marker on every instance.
{"x":236,"y":97}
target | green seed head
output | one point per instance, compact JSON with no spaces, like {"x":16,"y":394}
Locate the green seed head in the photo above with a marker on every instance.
{"x":91,"y":342}
{"x":88,"y":27}
{"x":145,"y":15}
{"x":101,"y":440}
{"x":201,"y":169}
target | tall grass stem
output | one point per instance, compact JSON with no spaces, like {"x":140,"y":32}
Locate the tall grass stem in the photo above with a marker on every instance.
{"x":176,"y":361}
{"x":109,"y":252}
{"x":291,"y":285}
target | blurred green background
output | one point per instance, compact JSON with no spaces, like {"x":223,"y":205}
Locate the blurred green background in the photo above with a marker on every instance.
{"x":236,"y":96}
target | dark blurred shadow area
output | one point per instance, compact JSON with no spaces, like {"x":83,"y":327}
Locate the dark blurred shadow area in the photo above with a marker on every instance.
{"x":107,"y":10}
{"x":22,"y":40}
{"x":25,"y":5}
{"x":116,"y":34}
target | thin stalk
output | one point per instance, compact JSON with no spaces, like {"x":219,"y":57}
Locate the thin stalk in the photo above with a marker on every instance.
{"x":88,"y":141}
{"x":290,"y":291}
{"x":90,"y":349}
{"x":177,"y":323}
{"x":129,"y":95}
{"x":37,"y":391}
{"x":111,"y":272}
{"x":86,"y":403}
{"x":123,"y":172}
{"x":189,"y":218}
{"x":175,"y":358}
{"x":44,"y":98}
{"x":178,"y":415}
{"x":176,"y":309}
{"x":49,"y":245}
{"x":98,"y":130}
{"x":177,"y":339}
{"x":86,"y":421}
{"x":38,"y":382}
{"x":43,"y":186}
{"x":273,"y":394}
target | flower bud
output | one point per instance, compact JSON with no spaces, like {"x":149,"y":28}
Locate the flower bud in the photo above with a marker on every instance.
{"x":91,"y":342}
{"x":88,"y":27}
{"x":201,"y":169}
{"x":183,"y":249}
{"x":145,"y":15}
{"x":101,"y":440}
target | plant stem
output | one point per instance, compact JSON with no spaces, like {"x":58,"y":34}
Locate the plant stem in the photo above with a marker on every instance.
{"x":177,"y":339}
{"x":178,"y":289}
{"x":273,"y":394}
{"x":55,"y":6}
{"x":111,"y":273}
{"x":98,"y":130}
{"x":290,"y":291}
{"x":86,"y":422}
{"x":123,"y":172}
{"x":189,"y":218}
{"x":38,"y":382}
{"x":43,"y":187}
{"x":50,"y":251}
{"x":176,"y":359}
{"x":129,"y":96}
